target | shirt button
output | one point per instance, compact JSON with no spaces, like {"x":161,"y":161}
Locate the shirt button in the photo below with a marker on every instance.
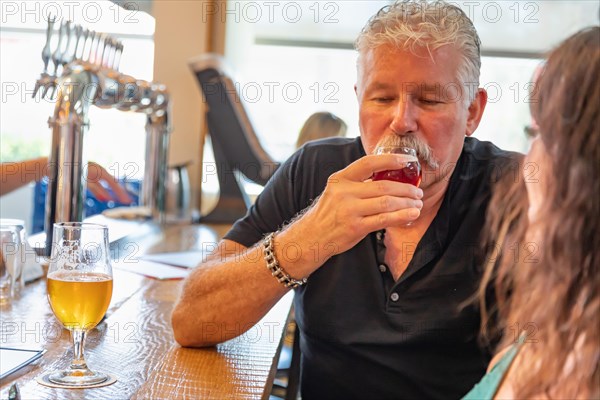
{"x":382,"y":268}
{"x":394,"y":296}
{"x":379,"y":236}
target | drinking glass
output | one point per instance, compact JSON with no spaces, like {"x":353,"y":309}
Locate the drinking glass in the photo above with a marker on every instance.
{"x":79,"y":291}
{"x":410,"y":173}
{"x":8,"y":240}
{"x":16,"y":257}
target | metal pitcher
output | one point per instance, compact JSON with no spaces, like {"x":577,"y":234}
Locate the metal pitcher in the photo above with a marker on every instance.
{"x":178,"y":194}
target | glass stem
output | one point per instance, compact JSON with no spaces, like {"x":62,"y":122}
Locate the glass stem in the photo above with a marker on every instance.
{"x":78,"y":362}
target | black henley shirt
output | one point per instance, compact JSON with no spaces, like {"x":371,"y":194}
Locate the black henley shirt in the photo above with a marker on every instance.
{"x":362,"y":334}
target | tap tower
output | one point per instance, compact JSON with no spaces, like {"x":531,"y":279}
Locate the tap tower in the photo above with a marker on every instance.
{"x":80,"y":72}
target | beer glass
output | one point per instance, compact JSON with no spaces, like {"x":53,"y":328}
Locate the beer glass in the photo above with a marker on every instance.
{"x":79,"y":291}
{"x":410,"y":173}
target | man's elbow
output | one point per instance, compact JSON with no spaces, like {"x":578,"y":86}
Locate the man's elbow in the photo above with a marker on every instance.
{"x":184,"y":332}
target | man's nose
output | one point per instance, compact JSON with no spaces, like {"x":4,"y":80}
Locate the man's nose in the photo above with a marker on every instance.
{"x":404,"y":118}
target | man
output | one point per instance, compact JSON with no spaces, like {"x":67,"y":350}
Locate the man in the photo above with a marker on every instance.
{"x":388,"y":265}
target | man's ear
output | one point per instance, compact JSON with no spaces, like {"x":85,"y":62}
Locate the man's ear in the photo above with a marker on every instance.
{"x":476,"y":111}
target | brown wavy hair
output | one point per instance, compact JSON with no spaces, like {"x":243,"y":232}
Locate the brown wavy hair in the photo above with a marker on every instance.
{"x":546,"y":281}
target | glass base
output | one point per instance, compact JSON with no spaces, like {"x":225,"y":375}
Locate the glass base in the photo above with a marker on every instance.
{"x":74,"y":377}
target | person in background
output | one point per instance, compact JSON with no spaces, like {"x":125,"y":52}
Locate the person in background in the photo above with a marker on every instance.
{"x":549,"y":298}
{"x":379,"y":268}
{"x":321,"y":125}
{"x":14,"y":175}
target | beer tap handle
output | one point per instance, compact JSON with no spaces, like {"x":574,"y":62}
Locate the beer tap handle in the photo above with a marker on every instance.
{"x":46,"y":54}
{"x":66,"y":56}
{"x":86,"y":35}
{"x":95,"y":47}
{"x":106,"y":50}
{"x":56,"y":60}
{"x":101,"y":48}
{"x":115,"y":45}
{"x":56,"y":55}
{"x":113,"y":58}
{"x":118,"y":52}
{"x":88,"y":56}
{"x":78,"y":34}
{"x":46,"y":51}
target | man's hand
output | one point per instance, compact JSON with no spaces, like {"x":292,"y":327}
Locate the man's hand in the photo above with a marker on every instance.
{"x":352,"y":205}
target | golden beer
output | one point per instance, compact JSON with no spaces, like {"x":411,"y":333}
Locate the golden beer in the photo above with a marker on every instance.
{"x":79,"y":300}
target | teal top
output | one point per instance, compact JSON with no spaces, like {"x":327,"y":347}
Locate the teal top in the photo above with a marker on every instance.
{"x":488,"y":385}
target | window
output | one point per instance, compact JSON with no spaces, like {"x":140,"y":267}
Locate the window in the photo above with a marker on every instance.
{"x":293,"y":58}
{"x":114,"y":137}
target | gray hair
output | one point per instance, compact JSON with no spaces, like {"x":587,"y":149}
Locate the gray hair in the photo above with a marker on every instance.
{"x":411,"y":24}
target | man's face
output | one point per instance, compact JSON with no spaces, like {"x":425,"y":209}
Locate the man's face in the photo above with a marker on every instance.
{"x":400,"y":93}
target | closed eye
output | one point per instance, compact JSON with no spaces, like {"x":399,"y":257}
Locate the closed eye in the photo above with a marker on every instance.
{"x":383,"y":99}
{"x":429,"y":101}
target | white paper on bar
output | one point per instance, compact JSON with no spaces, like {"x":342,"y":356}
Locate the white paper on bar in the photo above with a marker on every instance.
{"x":32,"y":269}
{"x":15,"y":359}
{"x":151,"y":269}
{"x":117,"y":229}
{"x":187,"y":259}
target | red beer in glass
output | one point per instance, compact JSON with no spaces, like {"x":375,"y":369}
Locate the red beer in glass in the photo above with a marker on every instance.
{"x":410,"y":173}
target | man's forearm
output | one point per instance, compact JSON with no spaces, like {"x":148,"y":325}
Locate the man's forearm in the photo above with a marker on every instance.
{"x":234,"y":289}
{"x":222,"y":299}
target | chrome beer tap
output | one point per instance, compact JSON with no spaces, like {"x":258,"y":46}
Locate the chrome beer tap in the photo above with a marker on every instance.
{"x":45,"y":78}
{"x":92,"y":79}
{"x":56,"y":60}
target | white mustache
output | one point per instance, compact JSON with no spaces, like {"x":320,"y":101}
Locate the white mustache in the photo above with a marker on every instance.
{"x":424,"y":152}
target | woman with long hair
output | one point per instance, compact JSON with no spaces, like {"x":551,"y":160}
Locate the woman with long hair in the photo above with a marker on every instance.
{"x":546,"y":281}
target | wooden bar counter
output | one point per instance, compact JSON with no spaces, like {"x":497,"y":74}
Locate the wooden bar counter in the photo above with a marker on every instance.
{"x":135,"y":341}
